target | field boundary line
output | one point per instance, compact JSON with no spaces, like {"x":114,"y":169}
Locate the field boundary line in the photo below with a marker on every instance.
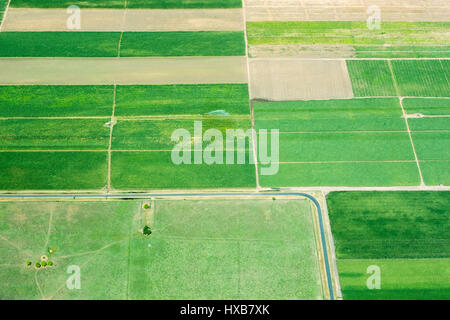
{"x":4,"y":15}
{"x":252,"y":113}
{"x":111,"y":125}
{"x":397,"y":90}
{"x":343,"y":161}
{"x":343,"y":59}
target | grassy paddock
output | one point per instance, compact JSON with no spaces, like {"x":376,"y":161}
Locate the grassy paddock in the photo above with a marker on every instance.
{"x":133,"y":44}
{"x":208,"y":249}
{"x":132,"y":4}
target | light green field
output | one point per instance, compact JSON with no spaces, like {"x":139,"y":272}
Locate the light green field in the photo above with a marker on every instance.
{"x":348,"y":33}
{"x":400,"y":279}
{"x":132,"y":44}
{"x":52,"y":170}
{"x":405,"y":234}
{"x":371,"y":78}
{"x":356,"y":142}
{"x":182,"y":99}
{"x":330,"y":115}
{"x":422,"y":78}
{"x":345,"y":146}
{"x":155,"y":170}
{"x":414,"y":51}
{"x":60,"y":134}
{"x":210,"y":249}
{"x":357,"y":174}
{"x":134,"y":4}
{"x":156,"y":134}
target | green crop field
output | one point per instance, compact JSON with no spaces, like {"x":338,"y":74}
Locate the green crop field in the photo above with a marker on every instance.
{"x":56,"y":101}
{"x":422,"y":78}
{"x":405,"y":234}
{"x":132,"y":44}
{"x":48,"y":132}
{"x":348,"y":33}
{"x":333,"y":142}
{"x":53,"y":170}
{"x":3,"y":4}
{"x":132,"y":4}
{"x":431,"y":137}
{"x":182,"y":99}
{"x":414,"y":51}
{"x":371,"y":78}
{"x":229,"y":249}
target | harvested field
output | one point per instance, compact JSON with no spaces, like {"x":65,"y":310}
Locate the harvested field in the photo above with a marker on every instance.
{"x":102,"y":71}
{"x":299,"y":79}
{"x":129,"y":20}
{"x":347,"y":10}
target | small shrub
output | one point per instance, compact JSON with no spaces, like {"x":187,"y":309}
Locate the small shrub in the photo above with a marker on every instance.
{"x":28,"y":263}
{"x":50,"y":263}
{"x":147,"y":231}
{"x":38,"y":265}
{"x":146,"y":206}
{"x":273,"y":198}
{"x":44,"y":263}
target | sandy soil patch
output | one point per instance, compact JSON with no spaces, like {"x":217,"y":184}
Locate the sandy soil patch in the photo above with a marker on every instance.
{"x":96,"y":71}
{"x":346,"y":10}
{"x":132,"y":20}
{"x":290,"y":79}
{"x":301,"y":51}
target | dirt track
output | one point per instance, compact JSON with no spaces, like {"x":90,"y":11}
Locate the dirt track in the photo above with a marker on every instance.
{"x":126,"y":20}
{"x":346,"y":10}
{"x":96,"y":71}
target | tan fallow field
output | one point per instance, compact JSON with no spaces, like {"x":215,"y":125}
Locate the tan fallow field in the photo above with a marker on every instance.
{"x":126,"y":20}
{"x":292,"y":79}
{"x":346,"y":10}
{"x":98,"y":71}
{"x":301,"y":51}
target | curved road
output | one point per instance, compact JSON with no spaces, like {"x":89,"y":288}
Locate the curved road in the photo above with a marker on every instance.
{"x":149,"y":195}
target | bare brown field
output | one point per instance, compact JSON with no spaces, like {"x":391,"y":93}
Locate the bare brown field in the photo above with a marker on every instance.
{"x":126,"y":20}
{"x":97,"y":71}
{"x":345,"y":10}
{"x":291,"y":79}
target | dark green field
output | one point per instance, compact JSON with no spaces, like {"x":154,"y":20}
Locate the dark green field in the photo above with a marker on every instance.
{"x":133,"y":44}
{"x":132,"y":4}
{"x":406,"y":234}
{"x":371,"y":78}
{"x":53,"y":170}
